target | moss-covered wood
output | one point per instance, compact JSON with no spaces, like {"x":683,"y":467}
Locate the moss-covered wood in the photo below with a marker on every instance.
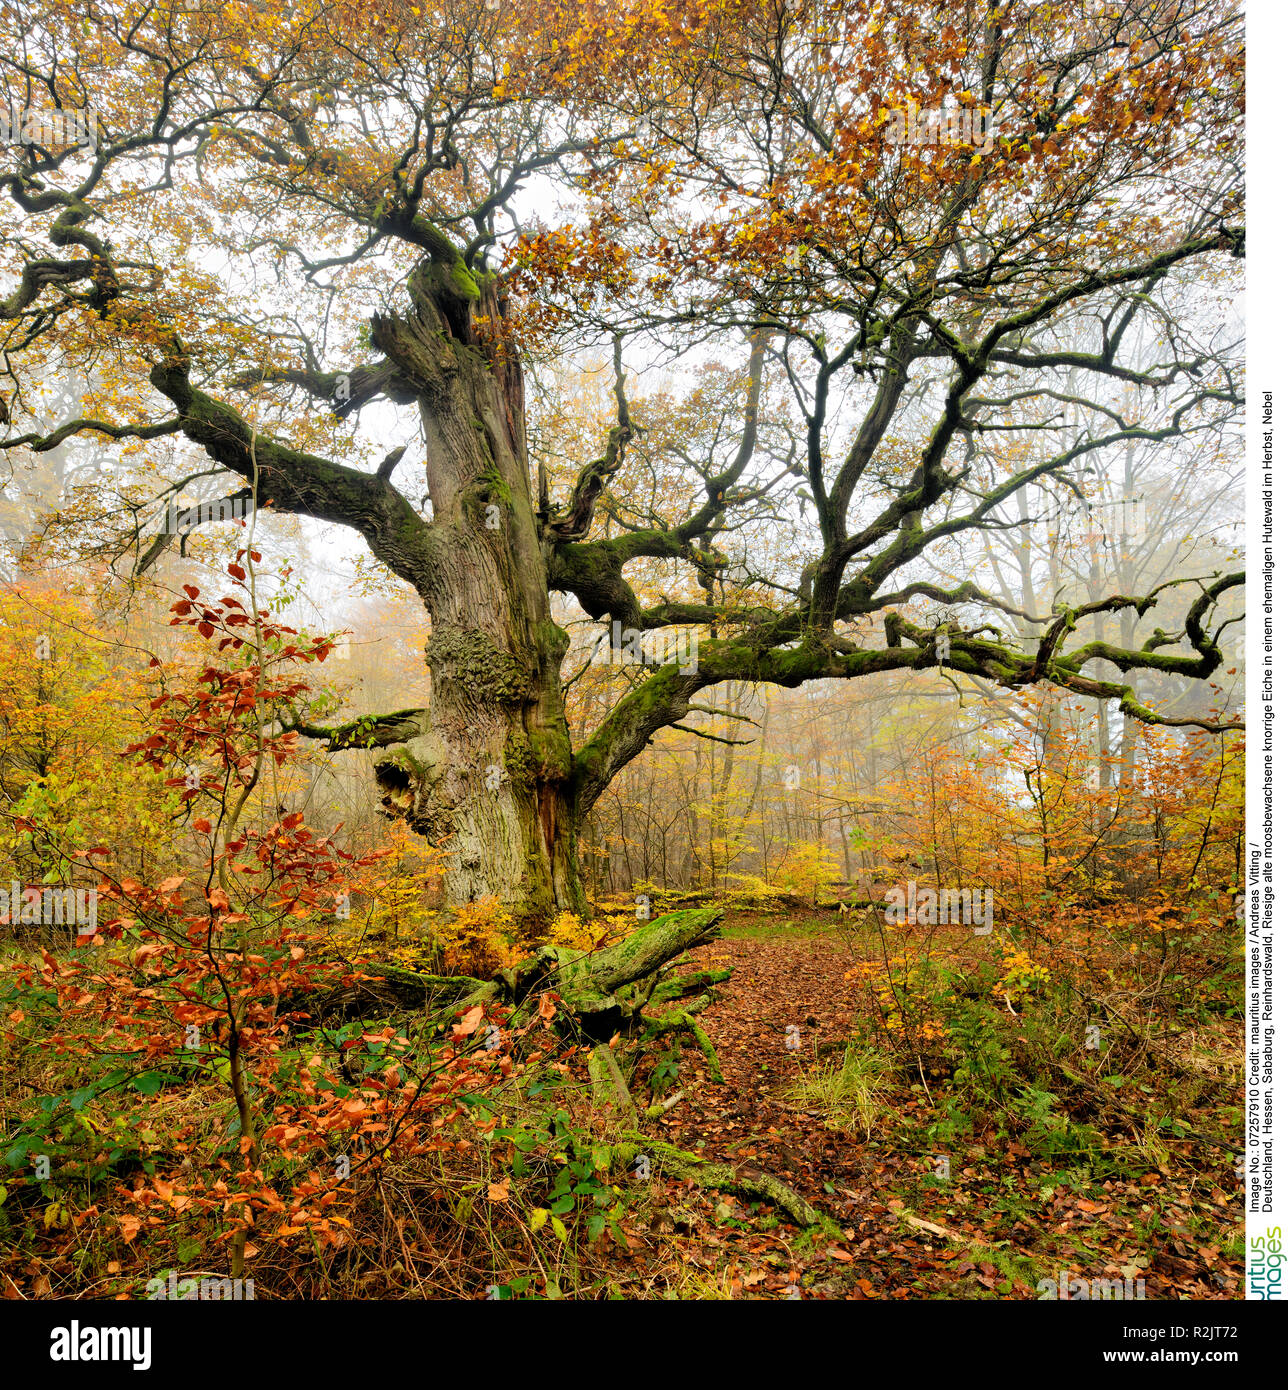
{"x":680,"y":986}
{"x":604,"y":992}
{"x":723,"y":1177}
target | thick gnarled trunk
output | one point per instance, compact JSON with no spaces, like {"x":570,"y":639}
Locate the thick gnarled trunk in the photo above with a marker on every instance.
{"x":505,"y":835}
{"x":490,"y":776}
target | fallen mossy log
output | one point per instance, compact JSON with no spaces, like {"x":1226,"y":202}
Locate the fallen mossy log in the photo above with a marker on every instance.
{"x":604,"y":991}
{"x":642,"y":954}
{"x":678,"y":986}
{"x":607,"y":990}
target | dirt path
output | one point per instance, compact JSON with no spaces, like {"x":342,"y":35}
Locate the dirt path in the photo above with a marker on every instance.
{"x":1003,"y":1219}
{"x":785,"y":983}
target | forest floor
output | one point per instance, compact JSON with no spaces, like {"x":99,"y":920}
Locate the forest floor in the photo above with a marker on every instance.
{"x":988,"y":1156}
{"x":912,"y":1216}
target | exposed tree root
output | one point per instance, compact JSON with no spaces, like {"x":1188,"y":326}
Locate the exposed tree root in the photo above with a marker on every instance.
{"x":723,"y":1177}
{"x":683,"y":1021}
{"x":708,"y":1050}
{"x":607,"y":1079}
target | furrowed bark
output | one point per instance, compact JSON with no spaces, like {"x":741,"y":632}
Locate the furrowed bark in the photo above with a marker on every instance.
{"x":490,"y":776}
